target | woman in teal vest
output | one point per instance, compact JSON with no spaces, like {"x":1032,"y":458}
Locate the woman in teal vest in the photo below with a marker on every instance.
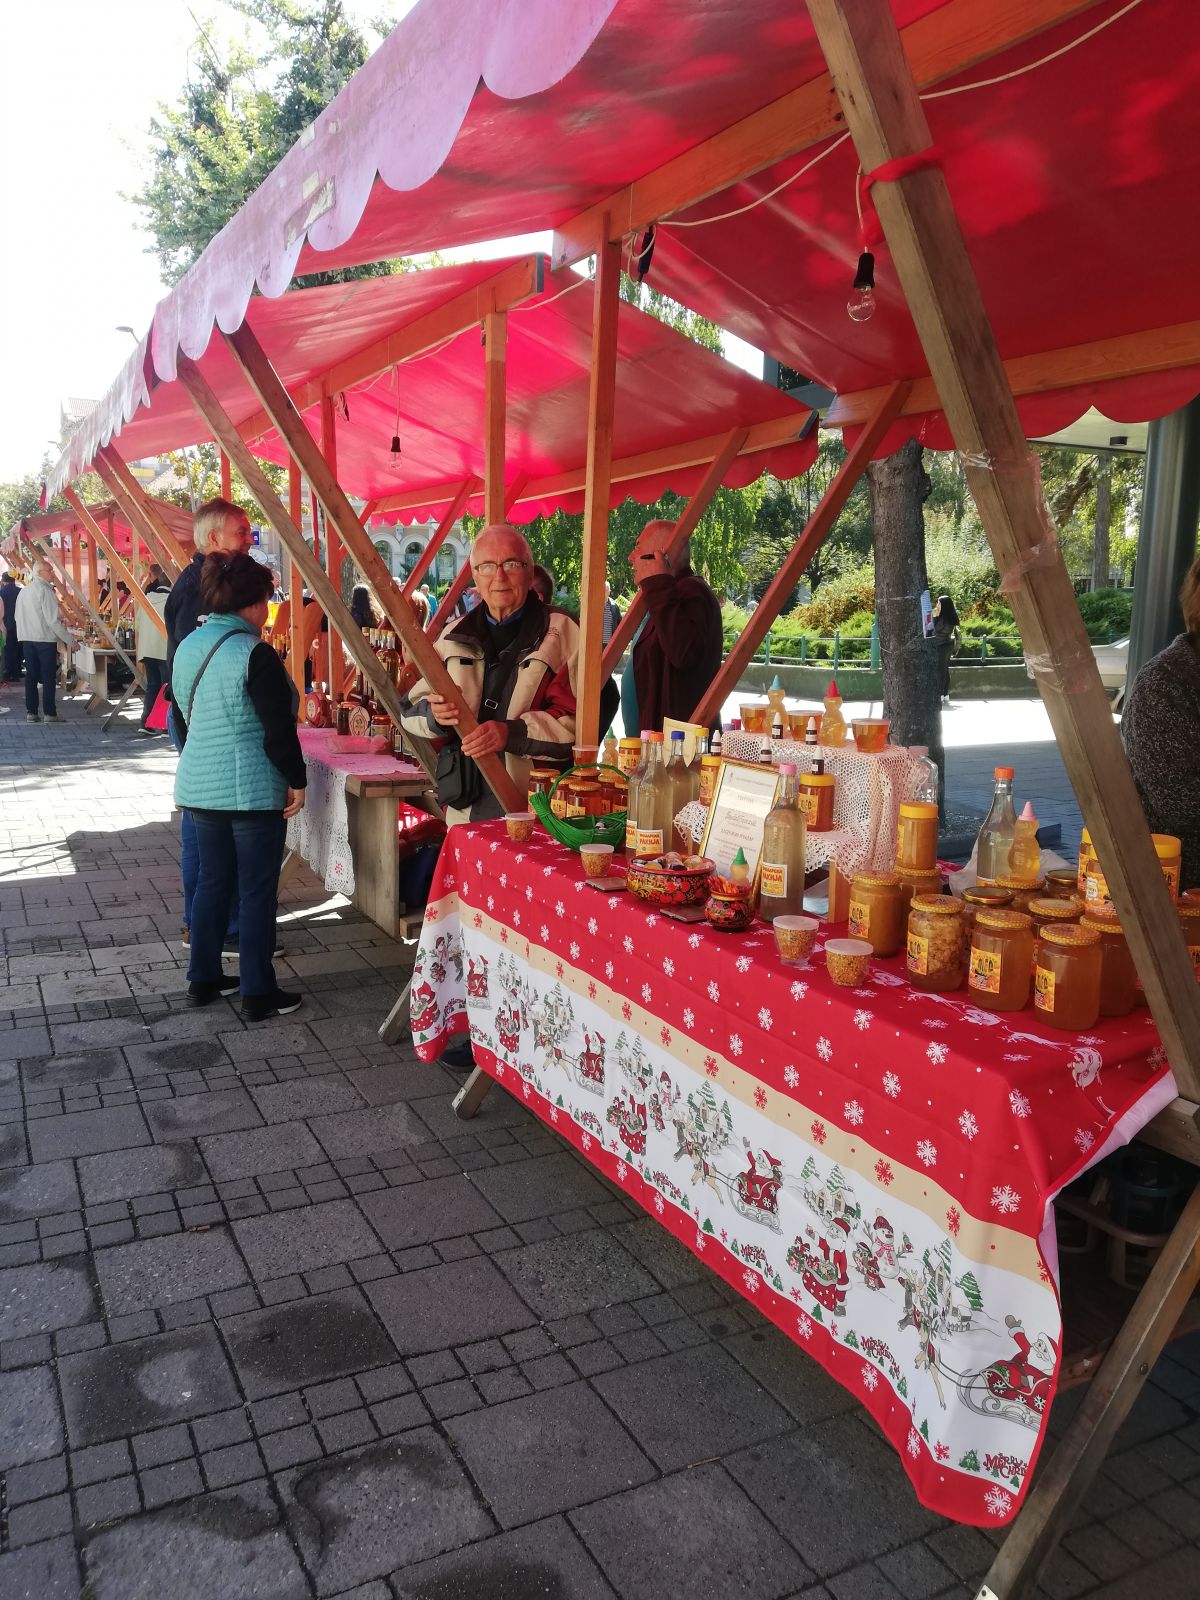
{"x":241,"y":774}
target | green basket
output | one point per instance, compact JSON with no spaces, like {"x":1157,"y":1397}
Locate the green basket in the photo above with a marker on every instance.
{"x":575,"y":832}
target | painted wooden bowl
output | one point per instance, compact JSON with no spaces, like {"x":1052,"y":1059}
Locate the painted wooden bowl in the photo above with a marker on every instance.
{"x":669,"y":886}
{"x":729,"y":913}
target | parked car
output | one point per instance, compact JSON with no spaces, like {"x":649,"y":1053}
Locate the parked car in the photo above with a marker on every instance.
{"x":1113,"y":662}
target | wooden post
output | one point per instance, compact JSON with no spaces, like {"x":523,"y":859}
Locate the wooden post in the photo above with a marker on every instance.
{"x":495,"y":339}
{"x":601,"y":396}
{"x":76,"y":563}
{"x":226,"y":478}
{"x":333,"y":545}
{"x":116,"y":567}
{"x":93,"y":575}
{"x":884,"y":115}
{"x":44,"y":546}
{"x":295,"y":587}
{"x":827,"y":511}
{"x":439,"y":536}
{"x":684,"y":528}
{"x":300,"y":446}
{"x":140,"y":510}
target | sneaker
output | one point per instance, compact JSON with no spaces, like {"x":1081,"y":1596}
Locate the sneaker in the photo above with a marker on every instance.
{"x":52,"y":716}
{"x":203,"y":994}
{"x":259,"y":1007}
{"x":231,"y":952}
{"x":32,"y":716}
{"x":144,"y":733}
{"x":185,"y":938}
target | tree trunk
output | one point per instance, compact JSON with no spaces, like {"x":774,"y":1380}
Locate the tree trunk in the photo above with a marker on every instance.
{"x":899,"y":487}
{"x":1101,"y":554}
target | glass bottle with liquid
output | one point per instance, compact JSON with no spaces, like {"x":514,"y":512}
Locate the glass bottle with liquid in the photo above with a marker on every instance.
{"x":636,"y":778}
{"x":1025,"y":854}
{"x":996,"y":834}
{"x":781,"y":876}
{"x":653,"y":802}
{"x":681,"y":788}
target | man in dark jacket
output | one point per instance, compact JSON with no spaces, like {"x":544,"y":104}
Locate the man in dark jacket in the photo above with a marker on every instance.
{"x":9,"y":590}
{"x":679,"y":647}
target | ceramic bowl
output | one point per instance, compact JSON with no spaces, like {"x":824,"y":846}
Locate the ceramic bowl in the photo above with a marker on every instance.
{"x":669,"y":886}
{"x":729,"y":913}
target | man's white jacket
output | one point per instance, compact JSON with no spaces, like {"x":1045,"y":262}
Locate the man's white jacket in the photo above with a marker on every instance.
{"x":39,"y":620}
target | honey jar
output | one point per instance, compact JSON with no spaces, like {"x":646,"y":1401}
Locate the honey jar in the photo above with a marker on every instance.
{"x":614,"y":791}
{"x":629,"y":755}
{"x":936,"y":947}
{"x":584,"y":798}
{"x":710,"y":766}
{"x":917,"y":836}
{"x":1066,"y":980}
{"x":1189,"y":921}
{"x":1086,"y":856}
{"x":915,"y":883}
{"x":877,"y":911}
{"x":1000,"y":970}
{"x":1063,"y":884}
{"x":1023,"y":890}
{"x":983,"y":897}
{"x":1166,"y":848}
{"x":815,"y":797}
{"x":1046,"y":909}
{"x":1120,"y":990}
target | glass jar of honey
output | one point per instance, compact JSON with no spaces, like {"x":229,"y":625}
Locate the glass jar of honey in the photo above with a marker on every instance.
{"x":541,"y":780}
{"x":917,"y":836}
{"x":1023,"y":890}
{"x":983,"y":897}
{"x":629,"y":755}
{"x":1000,"y":969}
{"x":1189,"y":921}
{"x":584,"y":798}
{"x":614,"y":791}
{"x":1066,"y":979}
{"x":815,"y":797}
{"x":877,"y":911}
{"x":1047,"y":909}
{"x":915,"y":883}
{"x":1170,"y":858}
{"x":1086,"y":856}
{"x":1120,"y":990}
{"x":710,"y":766}
{"x":936,"y":946}
{"x":1063,"y":884}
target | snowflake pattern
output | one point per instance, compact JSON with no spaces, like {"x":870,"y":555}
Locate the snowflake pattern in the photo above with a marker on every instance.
{"x":953,"y":1220}
{"x":824,"y":1049}
{"x":545,"y":934}
{"x":574,"y":952}
{"x":760,"y":1098}
{"x":1018,"y":1102}
{"x":937,"y":1053}
{"x":628,"y":945}
{"x":927,"y":1153}
{"x":735,"y":1044}
{"x":914,"y":1443}
{"x":660,"y":1205}
{"x":622,"y":1172}
{"x":791,"y":1077}
{"x":870,"y":1378}
{"x":765,"y":1018}
{"x":668,"y":966}
{"x":862,"y":1020}
{"x":1005,"y":1199}
{"x":744,"y":963}
{"x":689,"y":1017}
{"x":699,"y":1243}
{"x":853,"y":1113}
{"x":608,"y":970}
{"x":646,"y":993}
{"x":560,"y":910}
{"x":883,"y":1171}
{"x":695,"y":940}
{"x":997,"y":1502}
{"x":714,"y":992}
{"x":1084,"y":1139}
{"x":817,"y":1130}
{"x":593,"y":926}
{"x":891,"y":1084}
{"x":969,"y":1124}
{"x":752,"y":1282}
{"x":710,"y":1066}
{"x":799,"y":989}
{"x":804,"y":1326}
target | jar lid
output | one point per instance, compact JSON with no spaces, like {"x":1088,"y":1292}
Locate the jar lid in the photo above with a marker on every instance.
{"x":1020,"y":883}
{"x":1057,"y":910}
{"x":585,"y":786}
{"x":629,"y":741}
{"x":1003,"y":919}
{"x":1102,"y":916}
{"x":1188,"y":909}
{"x":985,"y":895}
{"x":1069,"y":933}
{"x":918,"y":808}
{"x":710,"y":761}
{"x":876,"y":880}
{"x":930,"y":876}
{"x":937,"y":905}
{"x":1166,"y":846}
{"x":817,"y":780}
{"x":1063,"y":876}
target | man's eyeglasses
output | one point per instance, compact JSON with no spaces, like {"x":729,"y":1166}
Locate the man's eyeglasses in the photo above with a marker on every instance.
{"x":488,"y":569}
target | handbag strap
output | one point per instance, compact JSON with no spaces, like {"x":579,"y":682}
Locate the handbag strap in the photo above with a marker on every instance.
{"x":200,"y":674}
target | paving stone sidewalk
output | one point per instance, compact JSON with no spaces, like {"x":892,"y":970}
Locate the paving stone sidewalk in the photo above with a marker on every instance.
{"x":273,"y":1324}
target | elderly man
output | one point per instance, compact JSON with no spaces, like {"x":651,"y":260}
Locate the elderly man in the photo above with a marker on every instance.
{"x":218,"y":525}
{"x":40,"y":630}
{"x":679,"y":646}
{"x":514,"y":661}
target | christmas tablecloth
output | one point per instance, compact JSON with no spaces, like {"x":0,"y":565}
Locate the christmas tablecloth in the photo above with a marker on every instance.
{"x":872,"y":1168}
{"x":320,"y":833}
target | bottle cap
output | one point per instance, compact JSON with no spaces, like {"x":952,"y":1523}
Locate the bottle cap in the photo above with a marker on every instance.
{"x":1003,"y":772}
{"x":647,"y":733}
{"x":787,"y":769}
{"x":819,"y":764}
{"x":775,"y":683}
{"x":1028,"y":815}
{"x":676,"y":734}
{"x":832,"y":689}
{"x":739,"y":860}
{"x":654,"y":738}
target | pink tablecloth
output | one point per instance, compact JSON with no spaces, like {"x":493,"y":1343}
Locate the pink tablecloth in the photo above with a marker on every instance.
{"x":321,"y":832}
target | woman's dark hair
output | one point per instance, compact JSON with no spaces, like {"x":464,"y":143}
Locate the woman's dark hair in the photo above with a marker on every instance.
{"x":233,"y":583}
{"x":948,"y":613}
{"x":360,"y":606}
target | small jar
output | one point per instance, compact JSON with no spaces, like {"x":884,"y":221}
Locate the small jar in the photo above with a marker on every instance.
{"x":915,"y":883}
{"x":614,"y":791}
{"x":1190,"y":897}
{"x":710,"y":766}
{"x":1001,"y":965}
{"x":1086,"y":856}
{"x":936,"y":944}
{"x":342,"y":719}
{"x":983,"y":897}
{"x":1170,"y":858}
{"x":1063,"y":884}
{"x":877,"y":911}
{"x":815,"y":798}
{"x":1023,"y":890}
{"x":584,"y":798}
{"x":629,"y":755}
{"x":541,"y":780}
{"x":1046,"y":909}
{"x":1066,"y":982}
{"x":917,"y":836}
{"x":1189,"y":921}
{"x":1120,"y":990}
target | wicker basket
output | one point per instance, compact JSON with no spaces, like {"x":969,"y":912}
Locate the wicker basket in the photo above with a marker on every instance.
{"x":575,"y":832}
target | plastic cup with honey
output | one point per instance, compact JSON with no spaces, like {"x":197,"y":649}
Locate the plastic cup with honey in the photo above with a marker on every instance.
{"x":519,"y":825}
{"x":848,"y":961}
{"x":794,"y":938}
{"x":596,"y":859}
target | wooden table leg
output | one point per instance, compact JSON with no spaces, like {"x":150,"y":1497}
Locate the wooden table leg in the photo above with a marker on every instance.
{"x":1118,"y":1381}
{"x":397,"y":1018}
{"x":290,"y":862}
{"x":375,"y":848}
{"x":471,"y":1096}
{"x":120,"y":705}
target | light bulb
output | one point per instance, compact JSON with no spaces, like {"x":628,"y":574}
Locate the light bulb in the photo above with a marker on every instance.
{"x":394,"y":453}
{"x":861,"y":305}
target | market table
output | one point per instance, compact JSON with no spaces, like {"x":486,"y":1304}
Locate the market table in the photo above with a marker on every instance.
{"x":347,"y":831}
{"x":873,"y":1169}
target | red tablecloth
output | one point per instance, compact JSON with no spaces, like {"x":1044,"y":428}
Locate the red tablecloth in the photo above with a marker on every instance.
{"x":873,"y":1168}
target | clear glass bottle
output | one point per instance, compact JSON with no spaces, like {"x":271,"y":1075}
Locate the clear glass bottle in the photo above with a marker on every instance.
{"x":996,"y":834}
{"x":926,"y":791}
{"x":680,"y":787}
{"x":781,"y":877}
{"x":637,"y":783}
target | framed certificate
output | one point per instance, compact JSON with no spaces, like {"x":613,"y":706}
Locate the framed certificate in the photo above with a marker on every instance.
{"x":744,"y":792}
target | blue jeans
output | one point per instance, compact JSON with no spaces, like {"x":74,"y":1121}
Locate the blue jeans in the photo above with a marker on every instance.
{"x":240,"y":855}
{"x":189,"y":855}
{"x":41,"y":664}
{"x":12,"y":654}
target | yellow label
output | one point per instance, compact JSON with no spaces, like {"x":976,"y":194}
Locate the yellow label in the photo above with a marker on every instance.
{"x":806,"y":802}
{"x":773,"y":881}
{"x":630,"y":836}
{"x":918,"y":954}
{"x":649,"y":841}
{"x":1043,"y":989}
{"x":860,"y":920}
{"x":1194,"y":952}
{"x":708,"y":778}
{"x":985,"y":971}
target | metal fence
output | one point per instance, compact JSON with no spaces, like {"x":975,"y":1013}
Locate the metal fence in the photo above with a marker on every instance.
{"x":863,"y":650}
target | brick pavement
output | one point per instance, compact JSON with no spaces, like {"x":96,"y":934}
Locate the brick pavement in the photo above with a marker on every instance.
{"x":274,"y":1324}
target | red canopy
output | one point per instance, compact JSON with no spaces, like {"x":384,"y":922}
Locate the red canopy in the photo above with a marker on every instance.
{"x":110,"y":517}
{"x":673,"y":396}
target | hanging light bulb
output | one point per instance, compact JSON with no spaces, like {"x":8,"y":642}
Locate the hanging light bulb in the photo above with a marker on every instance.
{"x":861,"y":304}
{"x":394,"y":447}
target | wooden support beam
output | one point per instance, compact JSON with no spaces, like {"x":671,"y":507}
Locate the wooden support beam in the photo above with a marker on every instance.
{"x":826,"y":513}
{"x":1131,"y":355}
{"x":495,"y":341}
{"x":93,"y":575}
{"x":44,"y":546}
{"x":684,"y":528}
{"x":140,"y":511}
{"x":955,"y":35}
{"x":116,"y":567}
{"x":508,"y":288}
{"x":333,"y":545}
{"x":602,"y":389}
{"x":300,"y":446}
{"x":439,"y":536}
{"x":883,"y":112}
{"x":76,"y":563}
{"x":295,"y":587}
{"x":226,"y":478}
